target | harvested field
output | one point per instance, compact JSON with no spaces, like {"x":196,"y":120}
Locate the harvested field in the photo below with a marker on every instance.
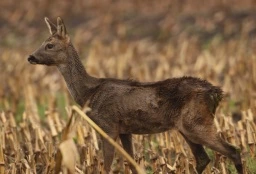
{"x":144,"y":41}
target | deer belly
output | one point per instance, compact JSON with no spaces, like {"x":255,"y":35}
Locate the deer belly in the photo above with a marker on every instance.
{"x":143,"y":122}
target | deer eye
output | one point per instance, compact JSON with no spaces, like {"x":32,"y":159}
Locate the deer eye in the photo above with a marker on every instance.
{"x":49,"y":46}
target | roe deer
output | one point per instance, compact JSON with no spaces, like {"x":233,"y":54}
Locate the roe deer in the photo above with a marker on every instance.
{"x":124,"y":107}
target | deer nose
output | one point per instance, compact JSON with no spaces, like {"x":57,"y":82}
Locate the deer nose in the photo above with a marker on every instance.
{"x":32,"y":59}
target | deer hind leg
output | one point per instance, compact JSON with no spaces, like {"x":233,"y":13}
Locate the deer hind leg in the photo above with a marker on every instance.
{"x":108,"y":153}
{"x":126,"y":140}
{"x":202,"y":159}
{"x":228,"y":150}
{"x":206,"y":134}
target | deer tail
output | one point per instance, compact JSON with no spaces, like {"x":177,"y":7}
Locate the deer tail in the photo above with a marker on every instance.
{"x":213,"y":97}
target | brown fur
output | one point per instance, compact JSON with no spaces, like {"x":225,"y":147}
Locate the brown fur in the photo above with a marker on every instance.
{"x":123,"y":107}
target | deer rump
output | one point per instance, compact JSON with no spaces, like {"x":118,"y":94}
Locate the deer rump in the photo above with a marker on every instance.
{"x":146,"y":108}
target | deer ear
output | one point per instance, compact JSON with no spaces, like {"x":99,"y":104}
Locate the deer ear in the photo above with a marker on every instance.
{"x":61,"y":29}
{"x":51,"y":26}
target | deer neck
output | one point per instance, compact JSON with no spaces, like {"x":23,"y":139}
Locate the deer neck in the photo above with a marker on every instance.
{"x":79,"y":82}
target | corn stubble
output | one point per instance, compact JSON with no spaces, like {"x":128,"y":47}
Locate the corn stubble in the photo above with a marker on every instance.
{"x":25,"y":149}
{"x":32,"y":144}
{"x":53,"y":144}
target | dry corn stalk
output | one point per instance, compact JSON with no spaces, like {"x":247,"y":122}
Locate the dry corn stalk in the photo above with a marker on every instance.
{"x":2,"y":162}
{"x":67,"y":154}
{"x":103,"y":134}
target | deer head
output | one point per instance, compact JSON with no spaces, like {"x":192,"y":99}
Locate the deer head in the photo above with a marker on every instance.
{"x":53,"y":51}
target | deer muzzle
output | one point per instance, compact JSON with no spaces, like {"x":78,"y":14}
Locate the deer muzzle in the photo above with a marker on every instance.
{"x":32,"y":59}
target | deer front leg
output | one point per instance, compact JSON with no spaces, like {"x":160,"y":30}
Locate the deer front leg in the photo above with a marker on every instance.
{"x":126,"y":140}
{"x":108,"y":153}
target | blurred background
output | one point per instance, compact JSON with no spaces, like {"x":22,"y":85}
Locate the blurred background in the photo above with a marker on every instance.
{"x":210,"y":39}
{"x":142,"y":40}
